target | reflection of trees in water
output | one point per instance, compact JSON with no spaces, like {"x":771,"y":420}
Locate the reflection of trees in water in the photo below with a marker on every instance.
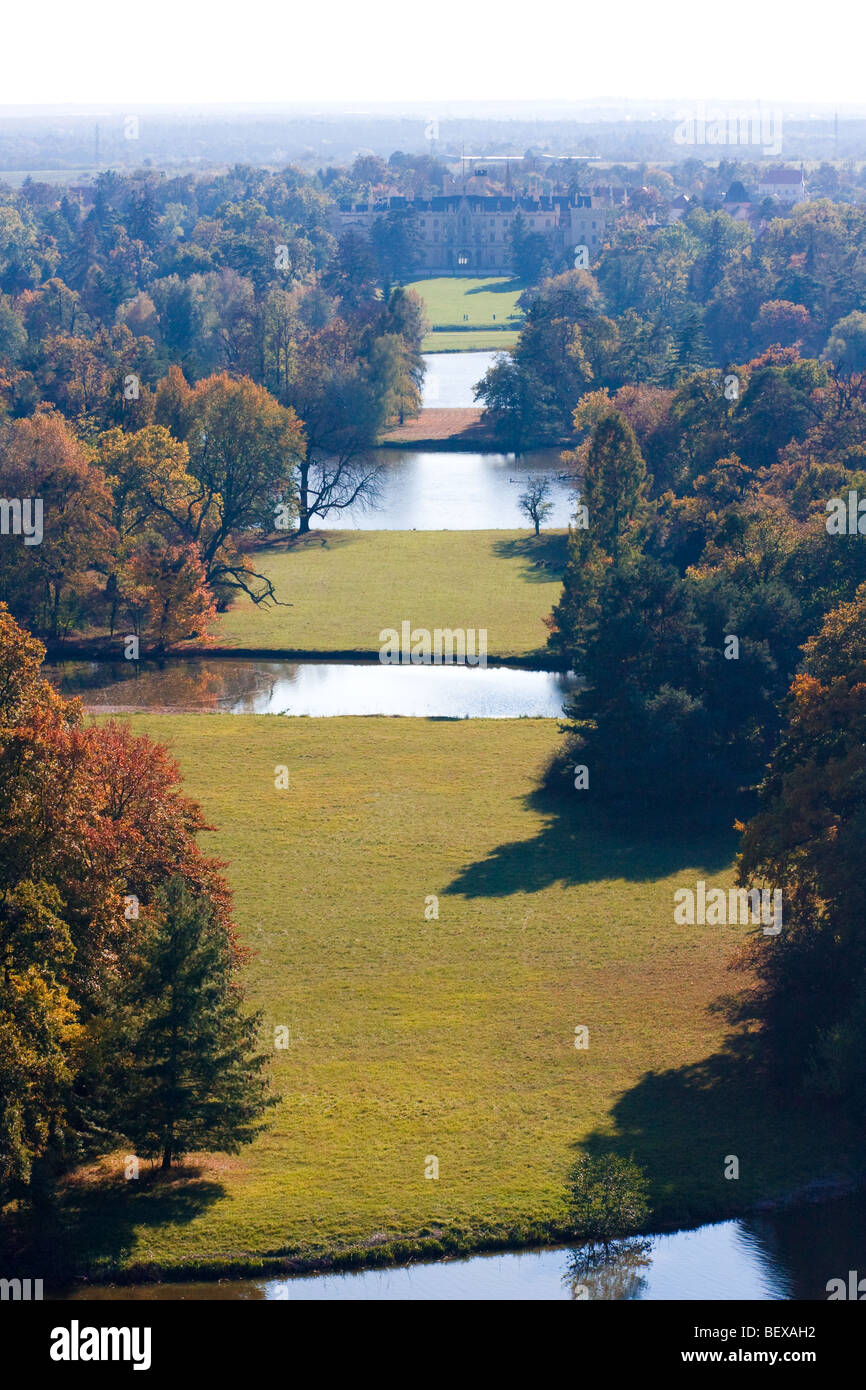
{"x":609,"y":1272}
{"x":799,"y":1249}
{"x":188,"y":685}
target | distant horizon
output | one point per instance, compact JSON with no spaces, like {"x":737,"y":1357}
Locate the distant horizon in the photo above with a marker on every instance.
{"x":602,"y":108}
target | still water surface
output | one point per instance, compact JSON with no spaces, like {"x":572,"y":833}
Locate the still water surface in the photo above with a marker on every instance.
{"x":786,"y":1255}
{"x":430,"y":491}
{"x":231,"y":685}
{"x":434,"y":491}
{"x":450,"y":378}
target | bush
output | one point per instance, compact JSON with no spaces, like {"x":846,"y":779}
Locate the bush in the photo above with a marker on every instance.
{"x":607,"y":1198}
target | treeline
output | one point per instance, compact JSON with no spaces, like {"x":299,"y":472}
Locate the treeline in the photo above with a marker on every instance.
{"x":714,"y":603}
{"x":184,"y":366}
{"x":226,"y":273}
{"x":121,"y":1014}
{"x":664,"y":301}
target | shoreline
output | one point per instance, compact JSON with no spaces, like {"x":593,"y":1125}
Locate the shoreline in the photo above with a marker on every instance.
{"x":433,"y":1247}
{"x":98,"y":650}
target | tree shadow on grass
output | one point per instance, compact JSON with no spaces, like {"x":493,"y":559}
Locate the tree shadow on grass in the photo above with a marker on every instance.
{"x":508,"y":287}
{"x":93,"y":1227}
{"x":684,"y":1126}
{"x":543,"y":556}
{"x":577,"y":845}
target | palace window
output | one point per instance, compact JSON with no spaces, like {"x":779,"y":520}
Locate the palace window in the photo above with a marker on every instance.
{"x":462,"y":259}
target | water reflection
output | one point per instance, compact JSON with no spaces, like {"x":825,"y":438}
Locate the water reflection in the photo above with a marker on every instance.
{"x":457,"y":492}
{"x":785,"y":1255}
{"x":450,"y":378}
{"x":232,"y":685}
{"x":614,"y":1271}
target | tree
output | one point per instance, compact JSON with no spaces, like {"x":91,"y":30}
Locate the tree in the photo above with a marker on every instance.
{"x":615,"y":485}
{"x":530,"y":252}
{"x":244,"y":448}
{"x":195,"y":1078}
{"x":607,"y":1198}
{"x":47,"y":583}
{"x":88,"y":816}
{"x":165,"y":590}
{"x":342,"y":398}
{"x":806,"y":839}
{"x":395,"y":239}
{"x":846,"y":346}
{"x":534,"y":501}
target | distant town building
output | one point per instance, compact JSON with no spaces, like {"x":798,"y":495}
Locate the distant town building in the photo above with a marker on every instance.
{"x":679,"y":207}
{"x":787,"y":185}
{"x":468,"y":233}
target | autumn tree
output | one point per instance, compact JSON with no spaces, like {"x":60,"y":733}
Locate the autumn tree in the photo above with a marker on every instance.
{"x":91,"y":821}
{"x":244,"y":448}
{"x":806,"y":839}
{"x":158,"y":572}
{"x":50,"y":582}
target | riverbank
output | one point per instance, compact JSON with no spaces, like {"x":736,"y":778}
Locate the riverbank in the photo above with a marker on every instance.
{"x":431,"y":927}
{"x":434,"y":1248}
{"x":337,"y":590}
{"x":455,"y":428}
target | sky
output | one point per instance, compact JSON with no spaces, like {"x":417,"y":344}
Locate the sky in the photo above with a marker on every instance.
{"x":349,"y":52}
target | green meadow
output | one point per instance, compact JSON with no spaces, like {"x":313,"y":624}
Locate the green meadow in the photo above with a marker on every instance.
{"x":339,"y":589}
{"x":480,"y":341}
{"x":413,"y":1036}
{"x":456,"y":301}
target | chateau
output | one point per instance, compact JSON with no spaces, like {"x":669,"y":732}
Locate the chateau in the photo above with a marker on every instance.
{"x":467,"y":233}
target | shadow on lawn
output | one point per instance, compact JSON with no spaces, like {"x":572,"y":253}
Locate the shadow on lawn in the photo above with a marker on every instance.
{"x":682,"y":1126}
{"x":94,"y":1226}
{"x":543,"y":556}
{"x":577,"y":846}
{"x":507,"y":287}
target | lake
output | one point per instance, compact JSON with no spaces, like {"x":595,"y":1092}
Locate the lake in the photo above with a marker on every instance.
{"x":457,"y":491}
{"x":235,"y":685}
{"x":450,"y":378}
{"x":783,"y":1255}
{"x":436,"y":491}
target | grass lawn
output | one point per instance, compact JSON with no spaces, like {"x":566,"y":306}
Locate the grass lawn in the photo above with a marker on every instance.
{"x":451,"y":1037}
{"x":473,"y":341}
{"x":450,"y":298}
{"x":343,"y":593}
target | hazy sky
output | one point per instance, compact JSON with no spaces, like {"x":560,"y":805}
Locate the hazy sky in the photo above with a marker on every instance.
{"x":131,"y":52}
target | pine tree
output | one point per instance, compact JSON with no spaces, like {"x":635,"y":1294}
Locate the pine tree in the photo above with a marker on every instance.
{"x":195,"y":1079}
{"x":614,"y":495}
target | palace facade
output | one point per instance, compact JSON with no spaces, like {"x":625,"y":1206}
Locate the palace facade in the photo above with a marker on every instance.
{"x":468,"y":233}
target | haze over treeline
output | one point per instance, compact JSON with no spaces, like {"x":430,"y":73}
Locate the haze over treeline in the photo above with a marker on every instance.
{"x":82,"y":137}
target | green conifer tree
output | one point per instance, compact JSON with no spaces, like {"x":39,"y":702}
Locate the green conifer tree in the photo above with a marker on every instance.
{"x":194,"y":1076}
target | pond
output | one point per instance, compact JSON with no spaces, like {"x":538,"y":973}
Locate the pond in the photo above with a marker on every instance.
{"x":436,"y":491}
{"x":783,"y":1255}
{"x":233,"y":685}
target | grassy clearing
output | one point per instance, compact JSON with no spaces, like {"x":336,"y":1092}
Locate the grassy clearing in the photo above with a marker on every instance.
{"x":458,"y":302}
{"x":343,"y":592}
{"x":451,"y":1037}
{"x":480,"y":341}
